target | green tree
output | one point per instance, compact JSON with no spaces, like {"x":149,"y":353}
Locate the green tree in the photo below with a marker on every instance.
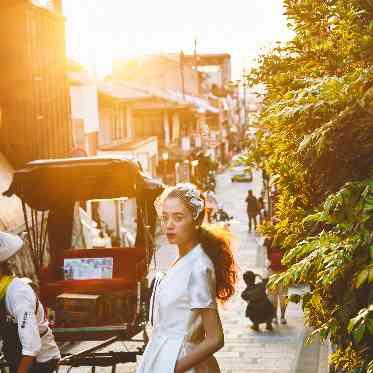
{"x":315,"y":139}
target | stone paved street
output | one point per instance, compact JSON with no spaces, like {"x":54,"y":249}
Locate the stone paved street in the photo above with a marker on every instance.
{"x":244,"y":350}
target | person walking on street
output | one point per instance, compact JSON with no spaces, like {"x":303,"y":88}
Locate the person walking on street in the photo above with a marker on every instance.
{"x":211,"y":204}
{"x":278,"y":294}
{"x":252,"y":209}
{"x":28,"y":342}
{"x":261,"y":209}
{"x":183,"y":307}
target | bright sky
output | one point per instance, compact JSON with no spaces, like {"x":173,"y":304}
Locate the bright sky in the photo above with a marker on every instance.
{"x":100,"y":30}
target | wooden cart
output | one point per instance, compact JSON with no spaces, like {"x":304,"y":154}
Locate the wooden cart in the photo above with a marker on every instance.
{"x":49,"y":190}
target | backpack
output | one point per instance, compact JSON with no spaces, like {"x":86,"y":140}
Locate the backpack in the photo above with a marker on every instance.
{"x":256,"y":294}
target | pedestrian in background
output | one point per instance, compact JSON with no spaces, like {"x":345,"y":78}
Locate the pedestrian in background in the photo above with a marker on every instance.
{"x":261,"y":209}
{"x":278,"y":294}
{"x":259,"y":309}
{"x":251,"y":209}
{"x":211,"y":204}
{"x":28,"y":342}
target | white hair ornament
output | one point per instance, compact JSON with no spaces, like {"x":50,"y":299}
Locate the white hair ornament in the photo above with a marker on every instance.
{"x":188,"y":193}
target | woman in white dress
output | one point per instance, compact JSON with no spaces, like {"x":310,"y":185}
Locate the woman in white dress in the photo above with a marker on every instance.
{"x":183,"y":308}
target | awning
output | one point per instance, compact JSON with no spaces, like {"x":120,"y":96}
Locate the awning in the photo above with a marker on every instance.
{"x":132,"y":91}
{"x":11,"y":215}
{"x":121,"y":91}
{"x":54,"y":184}
{"x":202,"y":105}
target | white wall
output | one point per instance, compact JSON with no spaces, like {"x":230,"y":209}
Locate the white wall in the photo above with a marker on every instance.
{"x":84,"y":105}
{"x":143,"y":153}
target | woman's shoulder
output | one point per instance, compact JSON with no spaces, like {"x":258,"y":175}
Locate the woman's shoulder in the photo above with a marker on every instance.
{"x":203,"y":264}
{"x":202,"y":283}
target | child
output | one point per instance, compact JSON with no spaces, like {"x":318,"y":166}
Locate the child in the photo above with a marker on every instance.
{"x":259,"y":309}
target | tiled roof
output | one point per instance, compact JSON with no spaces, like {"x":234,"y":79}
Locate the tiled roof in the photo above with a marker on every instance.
{"x":135,"y":91}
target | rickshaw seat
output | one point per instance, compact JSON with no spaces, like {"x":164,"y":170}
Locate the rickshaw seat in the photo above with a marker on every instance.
{"x":128,"y":269}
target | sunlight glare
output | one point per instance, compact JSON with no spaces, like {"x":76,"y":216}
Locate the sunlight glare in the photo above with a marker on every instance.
{"x":99,"y":31}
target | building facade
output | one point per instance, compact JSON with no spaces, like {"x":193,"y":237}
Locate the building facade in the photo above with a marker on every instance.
{"x":34,"y":92}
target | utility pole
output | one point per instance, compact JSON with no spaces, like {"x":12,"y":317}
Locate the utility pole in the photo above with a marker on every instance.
{"x":196,"y":64}
{"x":237,"y":86}
{"x":182,"y":73}
{"x":244,"y":97}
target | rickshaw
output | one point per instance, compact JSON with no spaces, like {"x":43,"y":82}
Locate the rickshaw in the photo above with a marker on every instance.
{"x":108,"y":308}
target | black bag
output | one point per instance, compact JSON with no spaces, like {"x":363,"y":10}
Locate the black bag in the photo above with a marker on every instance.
{"x":255,"y":294}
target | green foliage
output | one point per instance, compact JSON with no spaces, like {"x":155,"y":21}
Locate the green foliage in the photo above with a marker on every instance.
{"x":315,"y":140}
{"x":337,"y":264}
{"x":370,"y":367}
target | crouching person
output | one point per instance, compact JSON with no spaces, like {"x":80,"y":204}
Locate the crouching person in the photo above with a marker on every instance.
{"x":259,"y":309}
{"x":28,"y":342}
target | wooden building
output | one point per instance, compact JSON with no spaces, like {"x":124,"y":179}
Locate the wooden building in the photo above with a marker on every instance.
{"x":34,"y":92}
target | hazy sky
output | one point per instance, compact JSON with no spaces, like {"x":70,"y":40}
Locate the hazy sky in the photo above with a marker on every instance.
{"x":100,"y":30}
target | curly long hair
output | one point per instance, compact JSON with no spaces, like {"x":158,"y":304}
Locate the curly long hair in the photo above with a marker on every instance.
{"x":215,"y":241}
{"x":217,"y":244}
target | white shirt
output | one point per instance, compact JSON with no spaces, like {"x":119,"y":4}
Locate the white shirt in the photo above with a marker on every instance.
{"x":20,"y":302}
{"x":176,"y":304}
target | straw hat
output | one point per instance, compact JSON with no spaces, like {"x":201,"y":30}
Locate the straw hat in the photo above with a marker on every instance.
{"x":9,"y":245}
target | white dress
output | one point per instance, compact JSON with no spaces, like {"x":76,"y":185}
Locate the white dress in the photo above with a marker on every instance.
{"x":175,"y":309}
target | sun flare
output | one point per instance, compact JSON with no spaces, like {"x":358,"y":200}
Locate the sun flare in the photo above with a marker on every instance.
{"x":99,"y":31}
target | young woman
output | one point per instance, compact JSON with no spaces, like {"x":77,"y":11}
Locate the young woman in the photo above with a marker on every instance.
{"x":183,"y":308}
{"x":28,"y":343}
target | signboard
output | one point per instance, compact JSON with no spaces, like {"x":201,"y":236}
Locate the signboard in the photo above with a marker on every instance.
{"x":88,"y":268}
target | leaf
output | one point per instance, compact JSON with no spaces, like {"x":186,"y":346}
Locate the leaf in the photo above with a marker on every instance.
{"x":352,"y":323}
{"x":370,"y":326}
{"x":324,"y":333}
{"x":358,"y":333}
{"x":362,"y":277}
{"x":295,"y":298}
{"x":370,"y":277}
{"x":370,"y":367}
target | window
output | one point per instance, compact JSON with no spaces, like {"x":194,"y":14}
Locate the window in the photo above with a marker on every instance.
{"x":119,"y":123}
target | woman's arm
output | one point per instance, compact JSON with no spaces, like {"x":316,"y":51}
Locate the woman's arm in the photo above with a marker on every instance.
{"x":214,"y":341}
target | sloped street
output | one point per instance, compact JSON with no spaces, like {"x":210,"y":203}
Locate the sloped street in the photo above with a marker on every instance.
{"x":244,"y":350}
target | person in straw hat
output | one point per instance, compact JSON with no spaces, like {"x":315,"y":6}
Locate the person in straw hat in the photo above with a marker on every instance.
{"x":28,"y":342}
